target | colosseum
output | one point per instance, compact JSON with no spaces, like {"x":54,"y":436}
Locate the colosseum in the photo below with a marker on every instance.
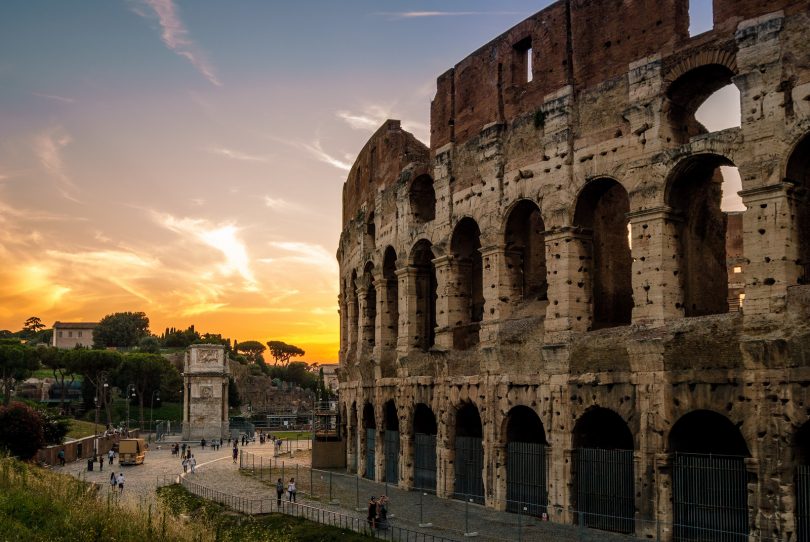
{"x":565,"y":304}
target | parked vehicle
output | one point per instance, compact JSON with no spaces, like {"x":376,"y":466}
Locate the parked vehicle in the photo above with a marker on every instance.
{"x":132,"y":451}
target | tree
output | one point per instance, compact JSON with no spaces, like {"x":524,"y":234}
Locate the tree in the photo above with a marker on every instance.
{"x":252,"y":350}
{"x":21,"y":431}
{"x":60,"y":364}
{"x":97,"y":367}
{"x":143,"y":371}
{"x":31,"y":327}
{"x":234,"y":401}
{"x":54,"y":426}
{"x":17,"y":362}
{"x":149,"y":345}
{"x":282,"y":352}
{"x":121,"y":329}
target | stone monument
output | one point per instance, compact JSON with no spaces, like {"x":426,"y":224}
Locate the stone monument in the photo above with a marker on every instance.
{"x":205,"y":392}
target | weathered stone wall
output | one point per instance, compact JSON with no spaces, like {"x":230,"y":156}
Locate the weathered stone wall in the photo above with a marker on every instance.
{"x":205,"y":392}
{"x":599,"y":145}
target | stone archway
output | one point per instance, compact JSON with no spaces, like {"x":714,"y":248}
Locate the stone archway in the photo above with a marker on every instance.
{"x":469,"y":455}
{"x":526,"y":462}
{"x":425,"y":430}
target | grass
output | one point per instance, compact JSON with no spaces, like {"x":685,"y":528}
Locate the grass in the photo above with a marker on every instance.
{"x":230,"y":527}
{"x":166,"y":411}
{"x":80,"y":428}
{"x":39,"y":505}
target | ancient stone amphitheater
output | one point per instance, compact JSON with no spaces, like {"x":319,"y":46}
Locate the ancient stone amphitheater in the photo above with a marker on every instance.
{"x":553,"y":307}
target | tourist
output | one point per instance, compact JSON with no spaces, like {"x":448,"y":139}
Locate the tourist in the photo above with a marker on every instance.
{"x":100,"y":462}
{"x":235,"y":452}
{"x":121,"y":483}
{"x":193,"y":463}
{"x":111,"y":455}
{"x":202,"y":444}
{"x":184,"y":448}
{"x":113,"y":480}
{"x":61,"y":456}
{"x":185,"y":465}
{"x":279,"y":492}
{"x":291,"y":489}
{"x":382,"y":512}
{"x":372,"y":512}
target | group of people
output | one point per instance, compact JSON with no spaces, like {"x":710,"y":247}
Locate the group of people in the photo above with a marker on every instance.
{"x":378,"y":512}
{"x":214,"y":444}
{"x":189,"y":462}
{"x":117,"y":481}
{"x":291,"y":490}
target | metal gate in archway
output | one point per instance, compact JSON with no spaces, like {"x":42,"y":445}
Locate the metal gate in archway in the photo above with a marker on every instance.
{"x":605,"y":489}
{"x":803,"y":503}
{"x":370,"y":446}
{"x":710,"y":498}
{"x":469,"y":467}
{"x":391,"y":443}
{"x":425,"y":462}
{"x":526,"y":489}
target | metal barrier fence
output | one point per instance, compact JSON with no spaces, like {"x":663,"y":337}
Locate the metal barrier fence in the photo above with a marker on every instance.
{"x":532,"y":516}
{"x":254,"y":506}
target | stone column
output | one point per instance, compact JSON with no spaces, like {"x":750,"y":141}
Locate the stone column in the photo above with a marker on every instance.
{"x":446,"y":301}
{"x":657,"y":291}
{"x":351,"y":439}
{"x":344,"y":326}
{"x":771,"y":245}
{"x":351,"y":328}
{"x":379,"y":444}
{"x":568,"y":261}
{"x":408,"y":321}
{"x":384,"y":345}
{"x":406,"y":448}
{"x":497,"y":292}
{"x":361,"y":346}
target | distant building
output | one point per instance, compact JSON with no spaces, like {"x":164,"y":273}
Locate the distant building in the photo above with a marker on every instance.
{"x":71,"y":334}
{"x":330,"y":379}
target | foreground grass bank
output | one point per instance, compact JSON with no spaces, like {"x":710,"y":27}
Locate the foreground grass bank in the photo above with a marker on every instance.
{"x":38,"y":505}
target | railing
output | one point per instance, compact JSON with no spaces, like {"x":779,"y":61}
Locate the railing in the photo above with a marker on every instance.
{"x":255,"y":506}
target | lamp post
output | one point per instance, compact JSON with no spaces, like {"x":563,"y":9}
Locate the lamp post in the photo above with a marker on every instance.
{"x":155,"y":394}
{"x":97,"y":400}
{"x":130,"y":396}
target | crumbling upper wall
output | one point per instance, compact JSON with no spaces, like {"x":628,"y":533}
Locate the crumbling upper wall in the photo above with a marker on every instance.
{"x":378,"y":165}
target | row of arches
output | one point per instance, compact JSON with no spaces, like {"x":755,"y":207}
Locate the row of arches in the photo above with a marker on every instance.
{"x":706,"y":467}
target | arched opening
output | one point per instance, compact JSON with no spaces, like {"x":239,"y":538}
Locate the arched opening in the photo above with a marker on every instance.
{"x":469,"y":459}
{"x":707,"y":88}
{"x":526,"y":462}
{"x":371,"y":231}
{"x":468,"y":278}
{"x":370,"y":426}
{"x":391,"y":323}
{"x":601,"y":213}
{"x":709,"y":480}
{"x":354,"y":438}
{"x":391,"y":442}
{"x":526,"y":251}
{"x":709,"y":240}
{"x":798,"y":172}
{"x":422,"y":198}
{"x":604,"y":477}
{"x":801,"y":454}
{"x":370,"y":313}
{"x":425,"y":328}
{"x":425,"y":429}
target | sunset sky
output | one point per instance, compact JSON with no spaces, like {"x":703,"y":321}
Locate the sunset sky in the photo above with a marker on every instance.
{"x":185,"y":158}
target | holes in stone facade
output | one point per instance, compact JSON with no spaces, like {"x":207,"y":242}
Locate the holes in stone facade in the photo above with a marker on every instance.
{"x":467,"y":275}
{"x":798,"y":172}
{"x":354,"y":310}
{"x":526,"y":252}
{"x":695,"y":193}
{"x":370,"y":313}
{"x":422,"y":198}
{"x":371,"y":231}
{"x":422,"y":258}
{"x":391,"y":325}
{"x":689,"y":91}
{"x":601,"y":213}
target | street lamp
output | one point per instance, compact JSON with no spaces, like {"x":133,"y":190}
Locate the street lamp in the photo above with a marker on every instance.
{"x":130,"y":396}
{"x":97,"y":400}
{"x":155,"y":395}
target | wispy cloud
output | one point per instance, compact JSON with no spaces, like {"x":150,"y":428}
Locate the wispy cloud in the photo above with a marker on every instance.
{"x":318,"y":153}
{"x":176,"y":37}
{"x":237,"y":155}
{"x":223,"y":238}
{"x":63,"y":99}
{"x":279,"y":204}
{"x":305,"y":253}
{"x":373,"y":116}
{"x":48,"y":146}
{"x":423,"y":14}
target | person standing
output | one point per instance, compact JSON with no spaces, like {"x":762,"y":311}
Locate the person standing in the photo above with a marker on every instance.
{"x":113,"y":480}
{"x":61,"y":456}
{"x":120,"y":483}
{"x":291,"y":489}
{"x":111,"y":455}
{"x":372,"y":512}
{"x":235,"y":452}
{"x":192,"y":462}
{"x":279,"y":492}
{"x":100,"y":462}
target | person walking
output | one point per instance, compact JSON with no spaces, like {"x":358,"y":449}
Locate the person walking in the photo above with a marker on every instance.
{"x":121,"y":483}
{"x":279,"y":492}
{"x":113,"y":480}
{"x":185,"y":465}
{"x":235,"y":452}
{"x":61,"y":456}
{"x":100,"y":462}
{"x":291,"y":489}
{"x":184,"y":449}
{"x":111,"y":455}
{"x":193,"y":463}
